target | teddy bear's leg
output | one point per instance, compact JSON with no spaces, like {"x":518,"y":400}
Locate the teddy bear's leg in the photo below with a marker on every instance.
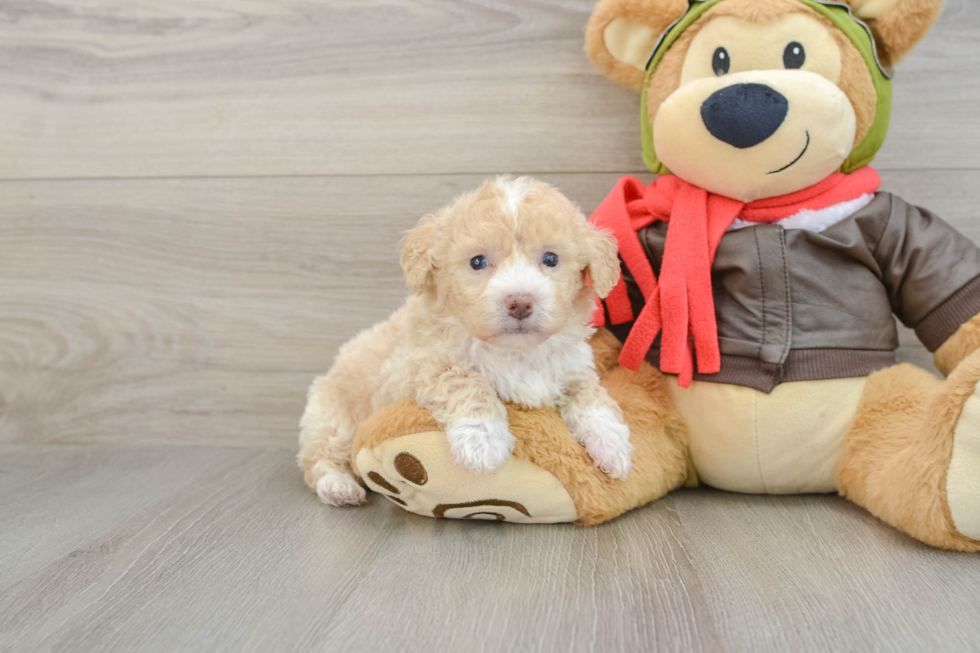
{"x":402,"y":454}
{"x":912,"y":456}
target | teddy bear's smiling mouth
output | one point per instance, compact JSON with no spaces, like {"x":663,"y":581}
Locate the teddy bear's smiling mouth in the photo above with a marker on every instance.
{"x":794,"y":161}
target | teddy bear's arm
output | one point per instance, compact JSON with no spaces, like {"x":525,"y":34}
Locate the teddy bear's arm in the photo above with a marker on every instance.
{"x":932,"y":275}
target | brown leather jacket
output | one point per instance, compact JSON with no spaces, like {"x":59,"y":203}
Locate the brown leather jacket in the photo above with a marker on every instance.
{"x":795,"y":305}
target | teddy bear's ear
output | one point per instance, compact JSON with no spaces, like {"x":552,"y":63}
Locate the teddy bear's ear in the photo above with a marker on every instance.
{"x":898,"y":25}
{"x":622,"y":34}
{"x":416,"y":259}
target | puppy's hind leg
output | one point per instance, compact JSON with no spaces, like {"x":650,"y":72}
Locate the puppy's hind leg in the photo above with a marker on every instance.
{"x":327,"y":432}
{"x":336,"y":405}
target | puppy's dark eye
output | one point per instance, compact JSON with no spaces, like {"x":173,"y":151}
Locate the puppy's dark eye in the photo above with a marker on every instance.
{"x":794,"y":56}
{"x":478,"y":262}
{"x":550,"y":259}
{"x":721,"y":63}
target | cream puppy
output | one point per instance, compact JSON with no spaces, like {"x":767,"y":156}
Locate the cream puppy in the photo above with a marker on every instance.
{"x":501,"y":313}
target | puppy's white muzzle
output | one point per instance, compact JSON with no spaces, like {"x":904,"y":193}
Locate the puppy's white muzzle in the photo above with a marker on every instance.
{"x":520,"y":298}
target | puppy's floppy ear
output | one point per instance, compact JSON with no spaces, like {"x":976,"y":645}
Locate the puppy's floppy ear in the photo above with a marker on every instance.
{"x":622,"y":33}
{"x":898,"y":25}
{"x":603,"y":261}
{"x":416,"y":259}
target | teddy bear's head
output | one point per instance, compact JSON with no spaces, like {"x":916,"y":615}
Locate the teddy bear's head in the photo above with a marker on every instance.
{"x":758,"y":98}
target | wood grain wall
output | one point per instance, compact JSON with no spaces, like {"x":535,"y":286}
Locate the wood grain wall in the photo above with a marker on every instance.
{"x":199,"y":201}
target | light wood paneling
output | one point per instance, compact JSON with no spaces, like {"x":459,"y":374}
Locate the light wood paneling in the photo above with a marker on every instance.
{"x":197,"y":311}
{"x":306,"y":87}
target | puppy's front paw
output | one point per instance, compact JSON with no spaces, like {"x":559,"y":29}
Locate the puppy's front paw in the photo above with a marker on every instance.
{"x":606,"y":439}
{"x":480,"y":445}
{"x":340,"y":489}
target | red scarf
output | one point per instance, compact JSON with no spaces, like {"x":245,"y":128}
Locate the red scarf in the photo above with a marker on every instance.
{"x":681,"y":303}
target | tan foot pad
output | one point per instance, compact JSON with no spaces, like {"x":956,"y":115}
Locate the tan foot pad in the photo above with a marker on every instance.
{"x":419,"y":473}
{"x":963,"y":477}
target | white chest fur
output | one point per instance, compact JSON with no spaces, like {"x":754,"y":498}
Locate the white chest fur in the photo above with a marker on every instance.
{"x":537,"y":376}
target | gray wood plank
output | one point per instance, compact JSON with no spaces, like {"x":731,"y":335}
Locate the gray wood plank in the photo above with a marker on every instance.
{"x":845,"y":580}
{"x":197,"y":311}
{"x":55,"y":497}
{"x":301,"y":87}
{"x":246,"y":559}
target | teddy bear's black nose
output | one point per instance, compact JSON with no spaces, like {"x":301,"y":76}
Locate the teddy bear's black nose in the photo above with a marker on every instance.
{"x":744,"y":115}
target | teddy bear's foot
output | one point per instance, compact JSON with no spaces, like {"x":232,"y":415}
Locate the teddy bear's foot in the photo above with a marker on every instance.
{"x":340,"y":489}
{"x":402,"y":454}
{"x":419,"y":473}
{"x":912,"y":456}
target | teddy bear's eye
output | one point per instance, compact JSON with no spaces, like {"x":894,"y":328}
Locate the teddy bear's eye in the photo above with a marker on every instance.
{"x":794,"y":56}
{"x":478,"y":262}
{"x":721,"y":62}
{"x":550,"y":259}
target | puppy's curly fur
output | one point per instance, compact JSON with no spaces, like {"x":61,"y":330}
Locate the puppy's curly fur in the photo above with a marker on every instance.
{"x":500,"y":313}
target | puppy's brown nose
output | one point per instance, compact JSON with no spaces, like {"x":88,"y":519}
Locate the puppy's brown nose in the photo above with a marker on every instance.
{"x":519,"y":306}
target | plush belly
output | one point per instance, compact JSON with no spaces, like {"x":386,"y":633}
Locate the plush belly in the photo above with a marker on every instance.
{"x":786,"y":442}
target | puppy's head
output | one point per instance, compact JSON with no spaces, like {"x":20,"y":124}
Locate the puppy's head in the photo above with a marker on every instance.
{"x":509,"y":262}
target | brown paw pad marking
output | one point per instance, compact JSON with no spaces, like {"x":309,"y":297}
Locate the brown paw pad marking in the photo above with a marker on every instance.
{"x":378,"y":479}
{"x":411,"y":468}
{"x":493,"y":514}
{"x":440,"y":510}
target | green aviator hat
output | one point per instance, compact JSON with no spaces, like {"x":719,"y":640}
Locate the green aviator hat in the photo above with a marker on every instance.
{"x":840,"y":15}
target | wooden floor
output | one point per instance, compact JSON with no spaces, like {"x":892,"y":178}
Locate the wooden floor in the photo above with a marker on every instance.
{"x":201,"y":199}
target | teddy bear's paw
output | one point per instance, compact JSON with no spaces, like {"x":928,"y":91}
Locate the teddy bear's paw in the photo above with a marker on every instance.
{"x":480,"y":445}
{"x":418,"y":473}
{"x":605,"y":437}
{"x":340,"y":489}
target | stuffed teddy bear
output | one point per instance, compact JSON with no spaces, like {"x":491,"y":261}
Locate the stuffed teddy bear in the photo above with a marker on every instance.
{"x":751,"y":340}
